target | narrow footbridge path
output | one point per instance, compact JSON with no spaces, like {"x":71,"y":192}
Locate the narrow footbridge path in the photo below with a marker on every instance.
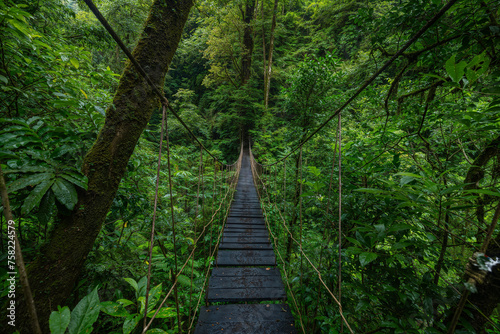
{"x":245,"y":283}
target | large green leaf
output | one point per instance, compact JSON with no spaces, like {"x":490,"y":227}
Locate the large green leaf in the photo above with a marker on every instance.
{"x":154,"y":297}
{"x":367,"y":257}
{"x":59,"y":320}
{"x":483,"y":191}
{"x":75,"y":63}
{"x":125,"y":302}
{"x":115,"y":309}
{"x":131,"y":323}
{"x":7,"y":155}
{"x":165,"y":312}
{"x":31,"y":180}
{"x":36,"y":195}
{"x":141,"y":286}
{"x":65,"y":193}
{"x":133,"y":283}
{"x":454,"y":70}
{"x":85,"y":314}
{"x":156,"y":331}
{"x":46,"y":207}
{"x":80,"y":181}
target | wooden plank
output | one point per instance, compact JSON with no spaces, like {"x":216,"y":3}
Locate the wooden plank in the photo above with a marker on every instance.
{"x":254,"y":199}
{"x":236,"y":246}
{"x":239,"y":282}
{"x":246,"y":318}
{"x":245,"y":215}
{"x":245,"y":233}
{"x":246,"y":258}
{"x":247,"y":212}
{"x":217,"y":272}
{"x":247,"y":240}
{"x":246,"y":220}
{"x":252,"y":206}
{"x":243,"y":229}
{"x":245,"y":294}
{"x":246,"y":226}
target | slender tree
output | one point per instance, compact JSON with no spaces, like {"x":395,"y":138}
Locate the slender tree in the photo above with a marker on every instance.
{"x":246,"y":58}
{"x":267,"y":71}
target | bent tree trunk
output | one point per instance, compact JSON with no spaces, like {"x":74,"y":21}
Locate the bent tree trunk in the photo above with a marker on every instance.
{"x":476,"y":308}
{"x":54,"y":273}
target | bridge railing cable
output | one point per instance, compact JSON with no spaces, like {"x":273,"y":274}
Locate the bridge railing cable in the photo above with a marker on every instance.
{"x":226,"y":194}
{"x":264,"y":192}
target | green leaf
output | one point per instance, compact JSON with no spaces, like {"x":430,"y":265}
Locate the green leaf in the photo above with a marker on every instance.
{"x":455,"y":71}
{"x":59,"y":320}
{"x":154,"y":297}
{"x":31,"y":180}
{"x":21,"y":26}
{"x":65,"y":193}
{"x":7,"y":155}
{"x":80,"y":182}
{"x":483,"y":191}
{"x":399,"y":227}
{"x":35,"y":196}
{"x":100,"y":110}
{"x":4,"y":79}
{"x":114,"y":309}
{"x":75,"y":63}
{"x":354,"y":250}
{"x":367,"y":257}
{"x":141,"y":286}
{"x":125,"y":302}
{"x":46,"y":207}
{"x":165,"y":312}
{"x":156,"y":331}
{"x":471,"y":75}
{"x":131,"y":323}
{"x":370,"y":190}
{"x":133,"y":283}
{"x":85,"y":314}
{"x":401,"y":244}
{"x":184,"y":280}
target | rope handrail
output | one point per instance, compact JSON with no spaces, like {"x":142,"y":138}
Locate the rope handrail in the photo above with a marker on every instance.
{"x":232,"y":187}
{"x":300,"y":247}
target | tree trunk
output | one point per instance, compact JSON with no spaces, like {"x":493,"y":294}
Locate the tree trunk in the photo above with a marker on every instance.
{"x":54,"y":273}
{"x":267,"y":76}
{"x":487,"y":297}
{"x":246,"y":58}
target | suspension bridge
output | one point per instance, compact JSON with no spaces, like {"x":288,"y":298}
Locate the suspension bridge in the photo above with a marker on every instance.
{"x":245,"y":291}
{"x":245,"y":271}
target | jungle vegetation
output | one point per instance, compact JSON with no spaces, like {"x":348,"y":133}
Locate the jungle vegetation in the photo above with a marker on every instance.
{"x":420,"y":154}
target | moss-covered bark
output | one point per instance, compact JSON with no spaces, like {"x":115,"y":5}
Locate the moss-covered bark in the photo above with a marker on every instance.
{"x":246,"y":59}
{"x":54,"y":273}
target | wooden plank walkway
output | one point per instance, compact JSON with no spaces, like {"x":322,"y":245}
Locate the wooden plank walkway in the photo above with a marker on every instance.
{"x":245,"y":272}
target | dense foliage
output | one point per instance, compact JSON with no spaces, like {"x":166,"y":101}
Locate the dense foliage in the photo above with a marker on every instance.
{"x":420,"y":153}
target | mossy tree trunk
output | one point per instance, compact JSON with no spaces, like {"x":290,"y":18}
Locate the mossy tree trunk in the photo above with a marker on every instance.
{"x":246,"y":58}
{"x":54,"y":273}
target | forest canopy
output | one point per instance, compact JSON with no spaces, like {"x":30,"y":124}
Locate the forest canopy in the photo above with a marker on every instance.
{"x":410,"y":168}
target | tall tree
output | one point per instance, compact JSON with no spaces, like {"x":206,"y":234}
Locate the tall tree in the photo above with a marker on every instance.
{"x":246,"y":57}
{"x":268,"y":65}
{"x":54,"y":273}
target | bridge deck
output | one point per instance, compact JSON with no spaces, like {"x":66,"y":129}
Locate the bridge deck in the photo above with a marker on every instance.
{"x":245,"y":272}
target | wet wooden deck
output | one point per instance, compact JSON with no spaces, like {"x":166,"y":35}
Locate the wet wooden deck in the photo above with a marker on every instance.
{"x":245,"y":276}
